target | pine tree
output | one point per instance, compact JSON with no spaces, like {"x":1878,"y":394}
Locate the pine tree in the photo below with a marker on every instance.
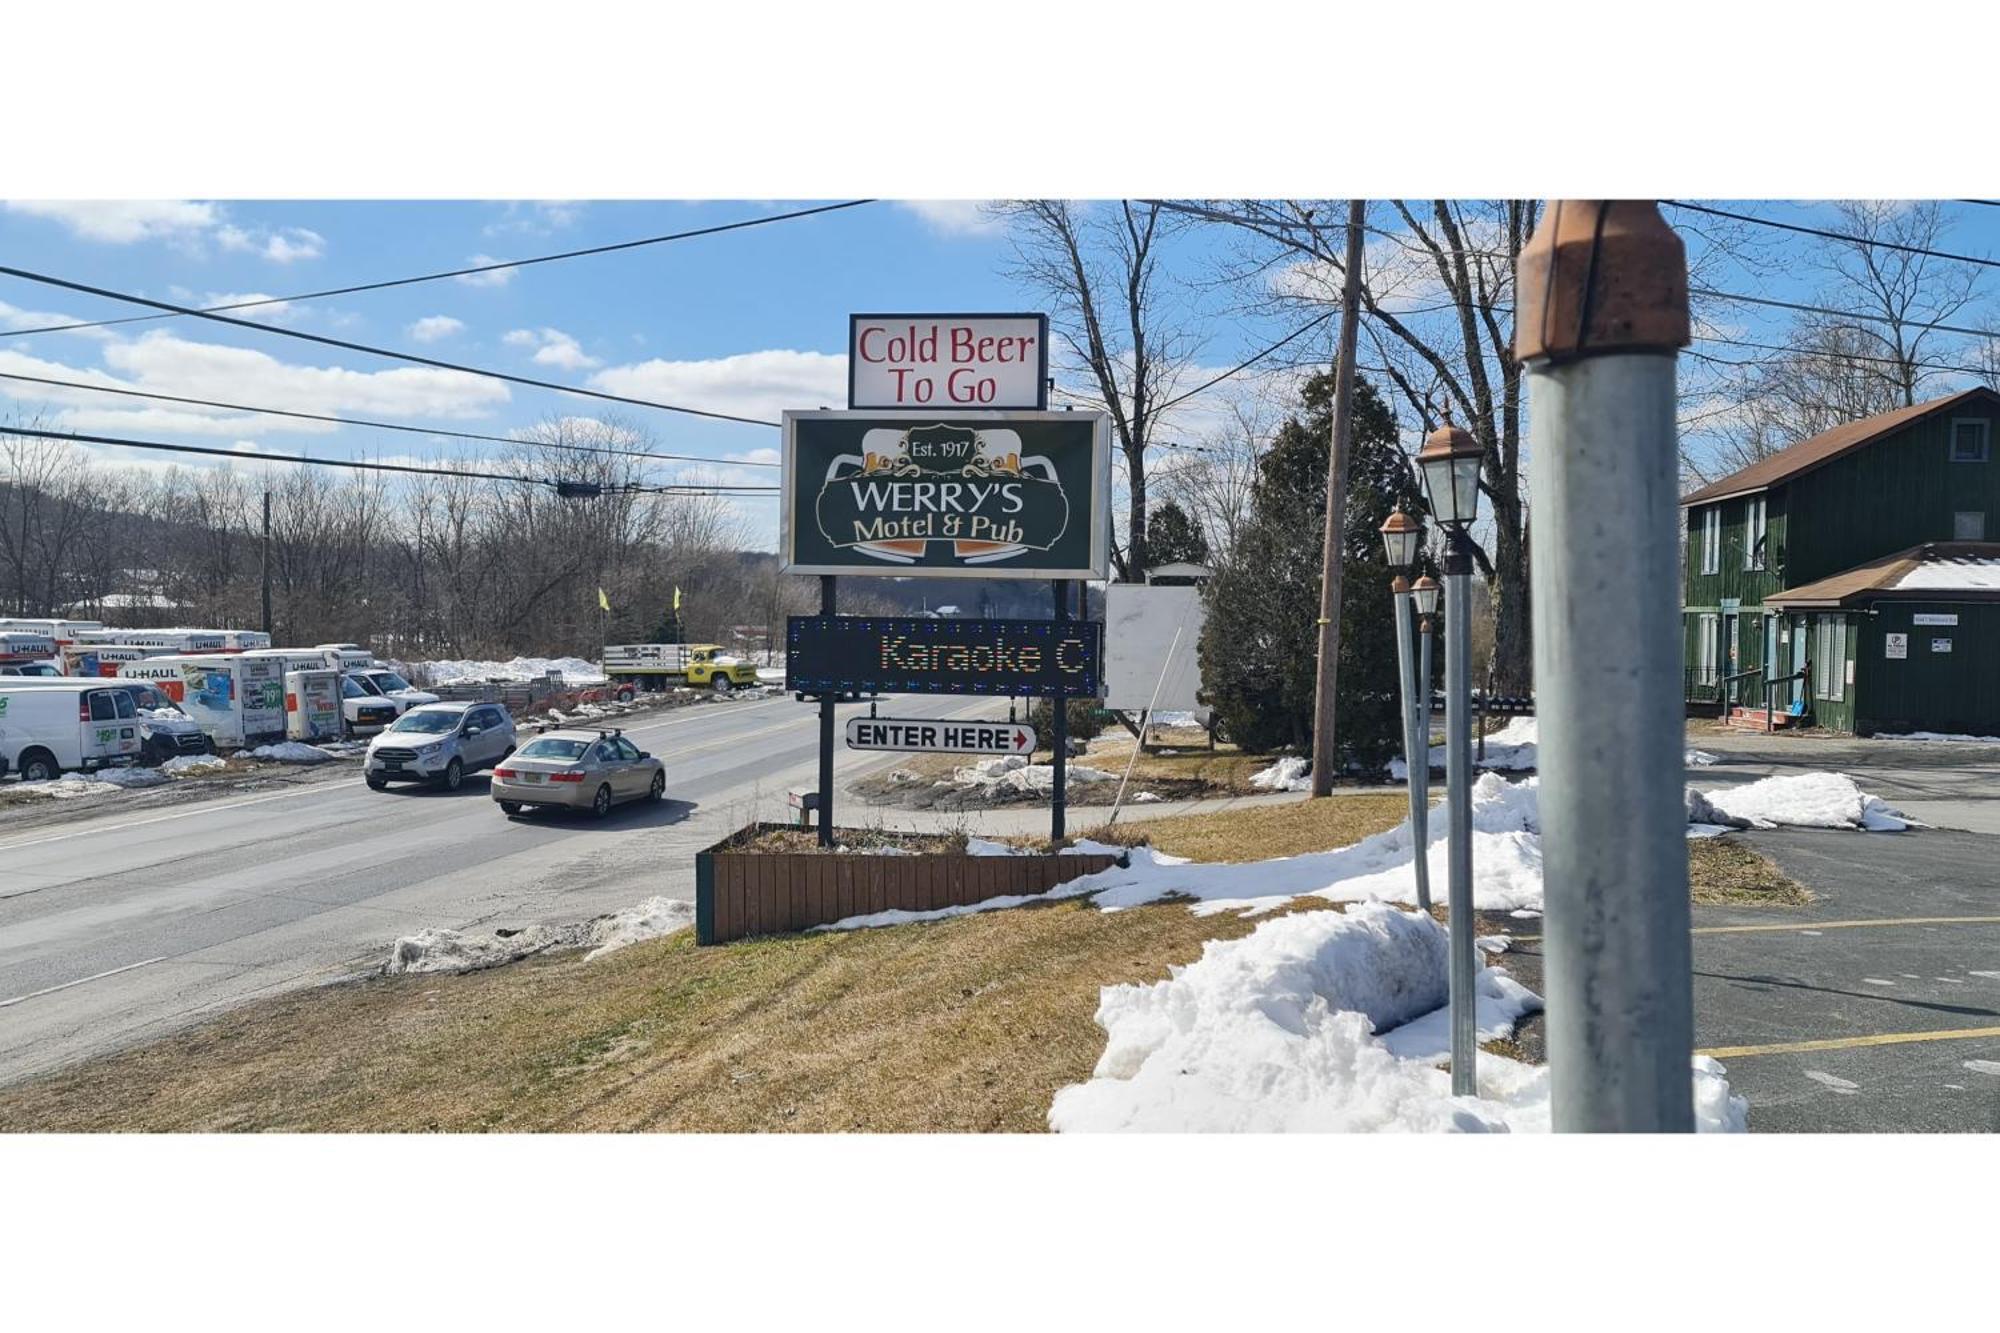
{"x":1173,"y":538}
{"x":1259,"y":643}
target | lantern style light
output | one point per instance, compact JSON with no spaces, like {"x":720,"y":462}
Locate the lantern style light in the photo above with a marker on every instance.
{"x":1402,"y":538}
{"x":1424,"y":592}
{"x":1450,"y":462}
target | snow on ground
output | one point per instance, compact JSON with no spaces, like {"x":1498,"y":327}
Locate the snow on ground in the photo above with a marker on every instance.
{"x":1322,"y":1021}
{"x":1807,"y":800}
{"x":1508,"y":750}
{"x":1699,"y":759}
{"x":433,"y":950}
{"x":187,"y":765}
{"x":1956,"y":737}
{"x":1284,"y":775}
{"x":1013,"y":772}
{"x":288,"y":752}
{"x":455,"y":671}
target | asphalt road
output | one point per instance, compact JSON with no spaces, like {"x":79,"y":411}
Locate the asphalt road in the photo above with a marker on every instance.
{"x":120,"y":924}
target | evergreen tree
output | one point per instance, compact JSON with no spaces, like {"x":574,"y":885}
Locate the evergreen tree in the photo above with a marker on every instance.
{"x":1259,"y":645}
{"x":1173,"y":538}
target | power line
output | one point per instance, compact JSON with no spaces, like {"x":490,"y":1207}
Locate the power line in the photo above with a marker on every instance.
{"x":1293,"y":336}
{"x":366,"y":465}
{"x":1833,"y":235}
{"x":51,"y":281}
{"x":1985,"y":203}
{"x":376,"y":425}
{"x":1841,"y":314}
{"x":456,"y":272}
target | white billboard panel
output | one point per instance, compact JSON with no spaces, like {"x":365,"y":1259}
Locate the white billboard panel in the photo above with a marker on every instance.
{"x":1150,"y":634}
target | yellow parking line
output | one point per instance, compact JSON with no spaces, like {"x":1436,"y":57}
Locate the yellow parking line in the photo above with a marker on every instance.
{"x":1847,"y":1043}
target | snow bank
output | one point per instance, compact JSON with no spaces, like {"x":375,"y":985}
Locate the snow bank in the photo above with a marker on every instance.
{"x":456,"y":671}
{"x":1806,"y":800}
{"x":433,"y":950}
{"x":1013,"y":773}
{"x":1295,"y":1028}
{"x":1699,"y":759}
{"x":1284,"y":775}
{"x":1954,"y":737}
{"x":187,"y":765}
{"x":288,"y":752}
{"x":1511,"y":749}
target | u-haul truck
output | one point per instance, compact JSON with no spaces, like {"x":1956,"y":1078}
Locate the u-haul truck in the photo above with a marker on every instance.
{"x":237,"y":699}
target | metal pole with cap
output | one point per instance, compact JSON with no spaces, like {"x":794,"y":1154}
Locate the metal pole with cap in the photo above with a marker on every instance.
{"x":1603,"y":309}
{"x":1450,"y":461}
{"x":1402,"y":538}
{"x":1424,"y":595}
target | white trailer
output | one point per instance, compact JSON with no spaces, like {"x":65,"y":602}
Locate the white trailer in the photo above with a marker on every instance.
{"x":237,"y":699}
{"x":51,"y":726}
{"x":21,"y":646}
{"x":312,"y":705}
{"x":159,"y":640}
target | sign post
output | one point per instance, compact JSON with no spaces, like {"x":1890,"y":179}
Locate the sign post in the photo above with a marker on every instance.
{"x":1059,"y":736}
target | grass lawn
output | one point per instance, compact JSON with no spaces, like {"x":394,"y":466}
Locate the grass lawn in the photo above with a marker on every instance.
{"x":1722,"y":870}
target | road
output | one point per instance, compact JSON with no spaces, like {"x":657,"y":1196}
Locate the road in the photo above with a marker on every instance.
{"x":118,"y":926}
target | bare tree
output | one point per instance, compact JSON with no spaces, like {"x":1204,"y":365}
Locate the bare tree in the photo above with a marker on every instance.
{"x":1894,"y":293}
{"x":1099,"y":267}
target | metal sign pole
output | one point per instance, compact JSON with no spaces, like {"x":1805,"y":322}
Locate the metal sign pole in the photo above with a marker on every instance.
{"x":1422,"y":772}
{"x":1603,"y":308}
{"x":1458,"y":810}
{"x":827,"y":600}
{"x":1405,"y":671}
{"x":1059,"y":735}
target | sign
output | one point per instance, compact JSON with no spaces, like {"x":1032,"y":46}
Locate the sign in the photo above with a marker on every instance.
{"x":1149,"y":656}
{"x":1934,"y":618}
{"x":888,"y":733}
{"x":1030,"y":658}
{"x":1896,"y":646}
{"x":981,"y":495}
{"x":957,"y":361}
{"x":1940,"y":645}
{"x":1730,"y":605}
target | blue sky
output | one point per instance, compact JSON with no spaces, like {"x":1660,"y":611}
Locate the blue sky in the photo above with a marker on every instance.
{"x":747,"y":322}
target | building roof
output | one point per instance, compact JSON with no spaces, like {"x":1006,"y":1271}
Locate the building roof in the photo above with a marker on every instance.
{"x":1823,"y":448}
{"x":1967,"y":571}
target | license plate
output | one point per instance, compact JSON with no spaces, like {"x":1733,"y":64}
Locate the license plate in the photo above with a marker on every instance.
{"x":531,"y":777}
{"x":393,"y":766}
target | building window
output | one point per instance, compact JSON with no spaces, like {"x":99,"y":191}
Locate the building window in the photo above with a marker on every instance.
{"x":1968,"y":525}
{"x":1711,"y":539}
{"x":1830,"y":658}
{"x":1753,"y":532}
{"x":1705,"y":650}
{"x":1968,"y":441}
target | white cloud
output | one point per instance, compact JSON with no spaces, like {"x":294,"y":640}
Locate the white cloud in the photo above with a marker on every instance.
{"x":276,"y":311}
{"x":535,"y":218}
{"x":753,"y":384}
{"x":552,"y":347}
{"x":432,"y":328}
{"x":280,"y":246}
{"x":955,"y":217}
{"x":755,"y":456}
{"x":123,"y":221}
{"x":499,"y":277}
{"x":13,"y":317}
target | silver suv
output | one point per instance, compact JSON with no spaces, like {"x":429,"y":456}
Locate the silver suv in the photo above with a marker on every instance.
{"x":440,"y":743}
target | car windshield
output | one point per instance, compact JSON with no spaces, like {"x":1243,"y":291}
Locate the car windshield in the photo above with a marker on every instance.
{"x":350,"y":688}
{"x":389,"y":680}
{"x":147,"y":697}
{"x":554,"y":747}
{"x":429,"y":723}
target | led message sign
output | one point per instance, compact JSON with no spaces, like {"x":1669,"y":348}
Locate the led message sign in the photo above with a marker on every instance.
{"x":1028,"y":658}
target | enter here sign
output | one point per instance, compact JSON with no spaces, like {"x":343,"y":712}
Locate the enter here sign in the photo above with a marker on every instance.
{"x":888,"y":733}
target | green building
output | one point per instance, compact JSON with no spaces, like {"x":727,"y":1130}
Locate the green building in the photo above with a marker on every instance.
{"x":1859,"y":557}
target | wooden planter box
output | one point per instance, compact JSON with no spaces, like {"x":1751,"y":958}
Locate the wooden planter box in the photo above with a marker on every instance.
{"x":739,"y":893}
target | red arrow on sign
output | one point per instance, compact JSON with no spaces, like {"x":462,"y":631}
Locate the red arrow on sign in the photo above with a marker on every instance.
{"x":1020,"y":739}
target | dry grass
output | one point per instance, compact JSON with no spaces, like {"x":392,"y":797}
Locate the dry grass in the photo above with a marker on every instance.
{"x":963,"y":1025}
{"x":1259,"y":832}
{"x":1724,"y":871}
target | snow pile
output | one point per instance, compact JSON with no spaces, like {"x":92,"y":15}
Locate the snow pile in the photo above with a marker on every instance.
{"x":1806,"y":800}
{"x":1294,"y":1028}
{"x":1509,"y":750}
{"x":434,"y":950}
{"x":187,"y":765}
{"x":459,"y":671}
{"x":1013,"y":773}
{"x":167,"y":714}
{"x":1956,"y":737}
{"x":1699,"y":759}
{"x":1285,"y":775}
{"x":288,"y":752}
{"x":649,"y":920}
{"x":126,"y":778}
{"x":1953,"y":575}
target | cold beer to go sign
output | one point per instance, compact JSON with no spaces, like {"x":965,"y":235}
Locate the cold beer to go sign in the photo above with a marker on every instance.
{"x":961,"y":361}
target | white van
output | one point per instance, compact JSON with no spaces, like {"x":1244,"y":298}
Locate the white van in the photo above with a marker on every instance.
{"x":24,"y":646}
{"x":344,"y":656}
{"x":237,"y":699}
{"x":52,"y":726}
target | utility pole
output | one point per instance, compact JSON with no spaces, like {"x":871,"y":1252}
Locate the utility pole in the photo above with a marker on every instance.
{"x":1603,"y":310}
{"x":265,"y":559}
{"x":1336,"y":507}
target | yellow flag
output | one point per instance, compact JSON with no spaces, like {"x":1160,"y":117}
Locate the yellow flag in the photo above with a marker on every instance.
{"x":603,"y":602}
{"x":677,"y":597}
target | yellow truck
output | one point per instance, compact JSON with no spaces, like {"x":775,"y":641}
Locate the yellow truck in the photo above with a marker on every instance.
{"x":632,"y":667}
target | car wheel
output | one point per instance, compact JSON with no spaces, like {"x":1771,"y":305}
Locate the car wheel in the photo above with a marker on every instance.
{"x":375,"y":783}
{"x":720,"y":685}
{"x":510,"y":808}
{"x":659,"y":787}
{"x":454,"y":773}
{"x":625,"y":694}
{"x":39,"y":766}
{"x":601,"y":805}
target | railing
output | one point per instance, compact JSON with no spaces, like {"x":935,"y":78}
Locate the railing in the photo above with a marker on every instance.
{"x":1701,"y":685}
{"x":1729,"y":682}
{"x":1803,"y":674}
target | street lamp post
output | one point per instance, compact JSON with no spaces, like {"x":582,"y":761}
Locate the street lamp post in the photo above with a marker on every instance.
{"x":1402,"y":538}
{"x":1424,"y":598}
{"x":1450,"y":463}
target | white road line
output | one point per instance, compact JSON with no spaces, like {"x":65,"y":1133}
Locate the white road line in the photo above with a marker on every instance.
{"x":95,"y":976}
